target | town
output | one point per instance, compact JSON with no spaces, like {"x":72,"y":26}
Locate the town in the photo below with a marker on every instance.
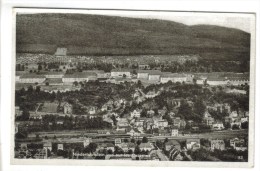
{"x":151,"y":107}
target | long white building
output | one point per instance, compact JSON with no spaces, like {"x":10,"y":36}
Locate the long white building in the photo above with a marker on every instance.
{"x":121,"y":73}
{"x":79,"y":77}
{"x":32,"y":78}
{"x":174,"y":77}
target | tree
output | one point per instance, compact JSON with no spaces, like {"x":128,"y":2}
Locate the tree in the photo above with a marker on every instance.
{"x":166,"y":140}
{"x":235,"y":127}
{"x":227,"y":125}
{"x":75,"y":83}
{"x":39,"y":67}
{"x":25,"y":115}
{"x":159,"y":144}
{"x":138,"y":142}
{"x":109,"y":151}
{"x":244,"y":125}
{"x":113,"y":117}
{"x":132,"y":140}
{"x":38,"y":89}
{"x":47,"y":83}
{"x":139,"y":84}
{"x":145,"y":140}
{"x":199,"y":109}
{"x":130,"y":151}
{"x":185,"y":111}
{"x":37,"y":136}
{"x":92,"y":147}
{"x":48,"y":153}
{"x":194,"y":81}
{"x":30,"y":89}
{"x":137,"y":150}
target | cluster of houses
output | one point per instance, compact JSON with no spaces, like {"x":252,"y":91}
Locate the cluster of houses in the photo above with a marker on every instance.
{"x":172,"y":148}
{"x":234,"y":118}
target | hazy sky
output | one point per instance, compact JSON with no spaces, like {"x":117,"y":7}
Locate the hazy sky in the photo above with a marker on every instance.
{"x":239,"y":21}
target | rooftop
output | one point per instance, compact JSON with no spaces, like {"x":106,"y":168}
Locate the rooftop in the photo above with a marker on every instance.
{"x":151,"y":72}
{"x":95,"y":71}
{"x":121,"y":70}
{"x":192,"y":140}
{"x":80,"y":75}
{"x":54,"y":80}
{"x":32,"y":76}
{"x":145,"y":145}
{"x":171,"y":75}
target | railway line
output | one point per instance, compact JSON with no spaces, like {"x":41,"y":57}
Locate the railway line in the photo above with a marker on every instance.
{"x":102,"y":137}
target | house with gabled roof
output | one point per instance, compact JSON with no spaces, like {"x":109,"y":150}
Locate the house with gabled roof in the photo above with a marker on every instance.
{"x":193,"y":144}
{"x":134,"y":132}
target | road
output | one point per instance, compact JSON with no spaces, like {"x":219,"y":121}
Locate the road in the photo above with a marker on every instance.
{"x":212,"y":135}
{"x":162,"y":156}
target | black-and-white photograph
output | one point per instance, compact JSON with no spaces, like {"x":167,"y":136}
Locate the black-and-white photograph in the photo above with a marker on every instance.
{"x":132,"y":85}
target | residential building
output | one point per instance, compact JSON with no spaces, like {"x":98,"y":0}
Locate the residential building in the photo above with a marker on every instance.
{"x":118,"y":141}
{"x":134,"y":132}
{"x":60,"y":147}
{"x":122,"y":122}
{"x":135,"y":114}
{"x":193,"y":144}
{"x":146,"y":146}
{"x":177,"y":122}
{"x":47,"y":145}
{"x":87,"y":141}
{"x":161,"y":123}
{"x":233,"y":114}
{"x":67,"y":108}
{"x":208,"y":119}
{"x":235,"y":141}
{"x":217,"y":126}
{"x":175,"y":132}
{"x":217,"y":144}
{"x":143,"y":66}
{"x":18,"y":112}
{"x":41,"y":154}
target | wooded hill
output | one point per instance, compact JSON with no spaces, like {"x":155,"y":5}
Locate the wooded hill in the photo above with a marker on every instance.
{"x":109,"y":35}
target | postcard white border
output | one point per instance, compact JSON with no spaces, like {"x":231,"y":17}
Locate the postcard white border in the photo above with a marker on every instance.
{"x":123,"y":163}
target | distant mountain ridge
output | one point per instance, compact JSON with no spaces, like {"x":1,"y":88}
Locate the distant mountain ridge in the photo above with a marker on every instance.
{"x":85,"y":34}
